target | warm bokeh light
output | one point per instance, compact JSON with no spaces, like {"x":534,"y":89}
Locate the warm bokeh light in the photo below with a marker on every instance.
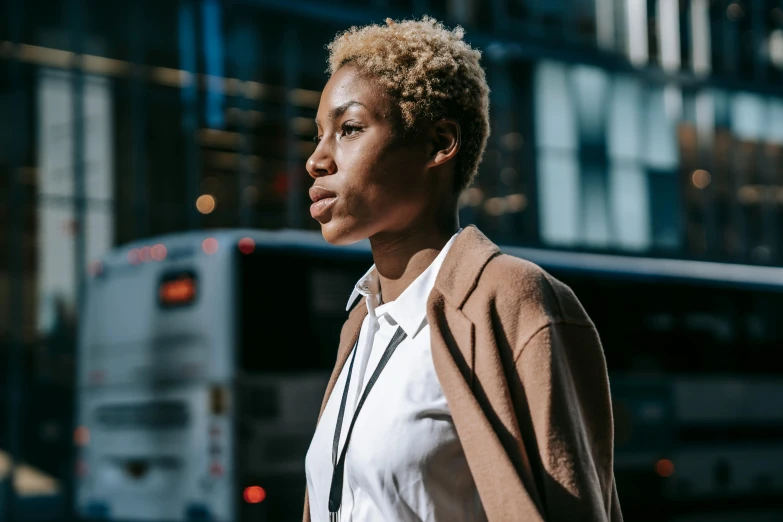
{"x":210,"y":245}
{"x":159,"y":252}
{"x":179,"y":291}
{"x":81,"y":436}
{"x":516,"y":202}
{"x":133,"y":256}
{"x":254,"y":494}
{"x":206,"y":203}
{"x":735,"y":12}
{"x":513,"y":141}
{"x":701,"y":179}
{"x":495,"y":206}
{"x":664,"y":468}
{"x":472,"y":197}
{"x":144,"y":254}
{"x":247,"y":245}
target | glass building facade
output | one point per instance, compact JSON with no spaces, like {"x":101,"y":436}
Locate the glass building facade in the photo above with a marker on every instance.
{"x":641,"y":127}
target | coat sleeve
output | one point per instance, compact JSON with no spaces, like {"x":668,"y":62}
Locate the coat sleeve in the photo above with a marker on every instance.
{"x":563,"y":372}
{"x":306,"y":514}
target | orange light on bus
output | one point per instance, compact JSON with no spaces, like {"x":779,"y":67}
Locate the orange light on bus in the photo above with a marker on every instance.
{"x":210,"y":245}
{"x":81,"y":436}
{"x":247,"y":245}
{"x":177,"y":291}
{"x":664,"y":468}
{"x":254,"y":494}
{"x":158,"y":252}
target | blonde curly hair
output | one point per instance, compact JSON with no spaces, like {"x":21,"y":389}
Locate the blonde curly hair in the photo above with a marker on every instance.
{"x":431,"y":71}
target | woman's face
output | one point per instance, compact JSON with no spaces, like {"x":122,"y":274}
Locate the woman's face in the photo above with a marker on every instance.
{"x":369,"y":177}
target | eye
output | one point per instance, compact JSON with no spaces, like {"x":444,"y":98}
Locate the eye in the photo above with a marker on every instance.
{"x":349,"y":130}
{"x":317,"y":139}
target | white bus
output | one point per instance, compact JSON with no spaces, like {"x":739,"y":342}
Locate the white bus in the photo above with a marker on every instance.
{"x":204,"y":357}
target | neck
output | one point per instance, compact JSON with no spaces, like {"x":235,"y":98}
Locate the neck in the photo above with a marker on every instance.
{"x":401,"y":257}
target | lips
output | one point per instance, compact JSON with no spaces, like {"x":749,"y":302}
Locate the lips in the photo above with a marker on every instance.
{"x":322,"y":201}
{"x":319,"y":193}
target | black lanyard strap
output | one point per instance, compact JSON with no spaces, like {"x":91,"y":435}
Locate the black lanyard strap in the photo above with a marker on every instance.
{"x":336,"y":490}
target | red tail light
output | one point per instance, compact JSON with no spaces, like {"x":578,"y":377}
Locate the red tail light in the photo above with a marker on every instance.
{"x":247,"y":245}
{"x":254,"y":494}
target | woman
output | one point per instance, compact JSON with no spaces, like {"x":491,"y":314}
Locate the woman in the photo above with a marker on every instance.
{"x":469,"y":385}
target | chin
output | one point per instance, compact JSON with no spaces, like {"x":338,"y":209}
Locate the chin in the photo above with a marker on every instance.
{"x":336,"y":233}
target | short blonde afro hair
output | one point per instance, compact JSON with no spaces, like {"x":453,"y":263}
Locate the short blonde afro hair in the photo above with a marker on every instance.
{"x":431,"y":71}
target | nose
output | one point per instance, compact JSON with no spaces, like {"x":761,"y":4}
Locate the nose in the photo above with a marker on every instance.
{"x":321,"y":163}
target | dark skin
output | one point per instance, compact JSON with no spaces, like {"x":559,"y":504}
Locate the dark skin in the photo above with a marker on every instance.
{"x":375,"y":181}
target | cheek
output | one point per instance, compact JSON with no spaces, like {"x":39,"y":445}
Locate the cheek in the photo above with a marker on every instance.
{"x":382,"y":185}
{"x":369,"y":180}
{"x":392,"y":172}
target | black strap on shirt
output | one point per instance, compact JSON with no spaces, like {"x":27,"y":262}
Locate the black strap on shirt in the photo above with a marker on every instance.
{"x":336,"y":490}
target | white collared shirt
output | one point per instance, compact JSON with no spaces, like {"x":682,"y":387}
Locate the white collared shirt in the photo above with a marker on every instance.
{"x":404,"y":462}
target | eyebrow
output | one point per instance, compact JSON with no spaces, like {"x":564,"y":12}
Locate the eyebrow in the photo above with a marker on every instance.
{"x":340,"y":110}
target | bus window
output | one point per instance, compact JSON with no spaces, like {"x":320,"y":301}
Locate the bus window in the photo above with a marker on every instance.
{"x":681,"y":327}
{"x":293,"y":308}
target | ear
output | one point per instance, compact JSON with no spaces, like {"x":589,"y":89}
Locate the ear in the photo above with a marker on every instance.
{"x":445,"y":140}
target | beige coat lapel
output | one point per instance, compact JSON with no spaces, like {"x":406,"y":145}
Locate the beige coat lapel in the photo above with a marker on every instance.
{"x":456,"y":279}
{"x":453,"y":338}
{"x":458,"y":276}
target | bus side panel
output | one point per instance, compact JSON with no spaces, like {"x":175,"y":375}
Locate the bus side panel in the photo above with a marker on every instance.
{"x":153,"y":455}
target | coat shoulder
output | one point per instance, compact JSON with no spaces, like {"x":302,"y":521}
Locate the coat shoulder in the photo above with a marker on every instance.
{"x":522,"y":288}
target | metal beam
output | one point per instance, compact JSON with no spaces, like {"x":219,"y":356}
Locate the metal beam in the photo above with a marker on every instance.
{"x":189,"y":93}
{"x":15,"y":266}
{"x":294,"y":171}
{"x":243,"y":46}
{"x":77,"y":12}
{"x":138,"y":121}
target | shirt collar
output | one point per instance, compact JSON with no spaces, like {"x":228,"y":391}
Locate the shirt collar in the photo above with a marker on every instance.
{"x":409,"y":310}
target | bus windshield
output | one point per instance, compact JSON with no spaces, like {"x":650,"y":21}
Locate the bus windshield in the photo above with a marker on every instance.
{"x":293,"y":307}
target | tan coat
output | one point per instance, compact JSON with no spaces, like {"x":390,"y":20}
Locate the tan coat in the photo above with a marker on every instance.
{"x":524,"y":375}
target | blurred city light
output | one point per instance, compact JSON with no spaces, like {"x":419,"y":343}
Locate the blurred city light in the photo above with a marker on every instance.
{"x":81,"y":436}
{"x":516,"y":202}
{"x":206,"y":203}
{"x":210,"y":245}
{"x":177,"y":291}
{"x":254,"y":494}
{"x":247,"y":245}
{"x":133,"y":256}
{"x":735,"y":12}
{"x":495,"y":206}
{"x":701,"y":179}
{"x":664,"y":468}
{"x":159,"y":252}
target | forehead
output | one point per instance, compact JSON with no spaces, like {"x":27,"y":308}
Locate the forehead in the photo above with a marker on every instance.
{"x":349,"y":84}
